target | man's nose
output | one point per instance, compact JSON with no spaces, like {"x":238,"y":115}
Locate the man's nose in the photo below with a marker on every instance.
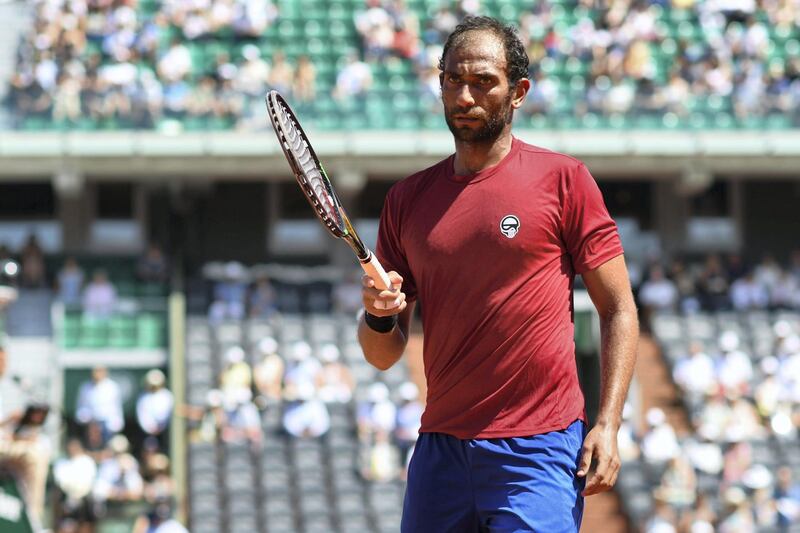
{"x":464,"y":96}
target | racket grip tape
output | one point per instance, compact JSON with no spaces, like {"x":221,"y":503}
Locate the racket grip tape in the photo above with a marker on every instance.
{"x":375,"y":270}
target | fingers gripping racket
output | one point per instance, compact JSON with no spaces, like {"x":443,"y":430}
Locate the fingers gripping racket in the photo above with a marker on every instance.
{"x":317,"y":187}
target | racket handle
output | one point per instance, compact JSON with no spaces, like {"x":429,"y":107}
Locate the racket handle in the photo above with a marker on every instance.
{"x":375,"y":270}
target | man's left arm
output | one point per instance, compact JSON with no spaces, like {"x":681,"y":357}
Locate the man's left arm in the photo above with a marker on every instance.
{"x":610,"y":291}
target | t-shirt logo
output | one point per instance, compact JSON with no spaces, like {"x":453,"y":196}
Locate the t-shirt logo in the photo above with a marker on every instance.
{"x":509,"y":226}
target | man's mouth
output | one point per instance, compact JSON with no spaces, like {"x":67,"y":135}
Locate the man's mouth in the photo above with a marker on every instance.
{"x":465,"y":119}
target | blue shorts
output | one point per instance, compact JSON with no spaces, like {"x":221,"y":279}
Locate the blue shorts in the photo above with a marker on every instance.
{"x":495,"y":485}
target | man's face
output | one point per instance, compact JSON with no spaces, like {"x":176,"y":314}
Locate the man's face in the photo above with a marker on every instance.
{"x":477,"y":98}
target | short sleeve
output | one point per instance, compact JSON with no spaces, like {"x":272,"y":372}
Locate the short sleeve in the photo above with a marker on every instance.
{"x":390,"y":249}
{"x":589,"y":233}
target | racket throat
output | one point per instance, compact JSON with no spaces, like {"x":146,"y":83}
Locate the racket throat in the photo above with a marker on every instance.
{"x":361,"y":251}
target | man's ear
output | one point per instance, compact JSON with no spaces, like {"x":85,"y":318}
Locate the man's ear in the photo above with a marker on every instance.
{"x":520,"y":91}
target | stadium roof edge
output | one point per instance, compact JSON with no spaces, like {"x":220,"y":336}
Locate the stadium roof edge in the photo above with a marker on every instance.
{"x":389,"y":153}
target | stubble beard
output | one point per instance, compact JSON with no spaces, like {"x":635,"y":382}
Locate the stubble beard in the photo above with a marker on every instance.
{"x":492,"y":128}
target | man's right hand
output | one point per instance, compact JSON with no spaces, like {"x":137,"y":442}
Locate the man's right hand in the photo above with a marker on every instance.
{"x":389,"y":302}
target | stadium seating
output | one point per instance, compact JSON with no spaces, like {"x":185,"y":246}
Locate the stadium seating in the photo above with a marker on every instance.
{"x":325,"y":32}
{"x":638,"y":479}
{"x":289,"y":484}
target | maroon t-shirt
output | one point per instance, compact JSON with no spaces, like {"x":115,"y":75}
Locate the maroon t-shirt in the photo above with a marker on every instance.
{"x":492,"y":258}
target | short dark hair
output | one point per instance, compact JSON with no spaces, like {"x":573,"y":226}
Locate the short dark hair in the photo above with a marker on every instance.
{"x":516,"y":57}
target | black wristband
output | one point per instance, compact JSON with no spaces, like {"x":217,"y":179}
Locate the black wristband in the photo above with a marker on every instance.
{"x":381,"y":324}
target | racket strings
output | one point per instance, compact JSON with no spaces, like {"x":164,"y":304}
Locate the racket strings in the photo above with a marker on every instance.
{"x":307,"y":169}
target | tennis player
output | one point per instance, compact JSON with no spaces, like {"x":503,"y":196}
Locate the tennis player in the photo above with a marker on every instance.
{"x":489,"y":241}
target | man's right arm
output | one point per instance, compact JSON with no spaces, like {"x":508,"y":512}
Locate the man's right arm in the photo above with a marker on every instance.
{"x":382,"y":350}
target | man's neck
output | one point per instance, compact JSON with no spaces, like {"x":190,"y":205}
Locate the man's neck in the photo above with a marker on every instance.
{"x":471,"y":157}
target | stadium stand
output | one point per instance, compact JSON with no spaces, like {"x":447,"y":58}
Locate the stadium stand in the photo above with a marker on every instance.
{"x":347,"y":64}
{"x":734,"y":361}
{"x":311,"y":479}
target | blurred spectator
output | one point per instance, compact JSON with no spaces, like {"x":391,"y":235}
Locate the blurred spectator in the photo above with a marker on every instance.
{"x":786,"y":292}
{"x":281,"y":74}
{"x":627,"y":442}
{"x":176,"y":63}
{"x":205,"y":421}
{"x":376,"y":28}
{"x":99,"y":296}
{"x":734,"y":368}
{"x":737,"y":460}
{"x":158,"y":520}
{"x":769,"y":392}
{"x":335,"y":383}
{"x":703,"y":516}
{"x":353,"y":80}
{"x":658,"y":292}
{"x":154,"y":406}
{"x":236,"y":374}
{"x":686,"y":285}
{"x":252,"y":17}
{"x":100,"y":404}
{"x":409,"y":419}
{"x":737,"y":515}
{"x":301,"y":367}
{"x":747,"y":293}
{"x":696,"y":373}
{"x":241,"y":420}
{"x":787,"y":498}
{"x":70,"y":283}
{"x":159,"y":486}
{"x":678,"y":485}
{"x":659,"y":443}
{"x":382,"y":459}
{"x":377,"y":414}
{"x":305,"y":414}
{"x":253,"y":75}
{"x":767,"y":273}
{"x":268,"y":373}
{"x":713,"y":285}
{"x":704,"y":455}
{"x":32,"y":259}
{"x":118,"y":477}
{"x":152,"y":265}
{"x":74,"y":476}
{"x":229,"y":294}
{"x":713,"y":419}
{"x":347,"y":294}
{"x":663,"y":520}
{"x":304,"y":86}
{"x":262,"y":298}
{"x":202,"y":102}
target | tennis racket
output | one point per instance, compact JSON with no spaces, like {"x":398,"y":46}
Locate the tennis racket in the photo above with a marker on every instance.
{"x":316,"y":185}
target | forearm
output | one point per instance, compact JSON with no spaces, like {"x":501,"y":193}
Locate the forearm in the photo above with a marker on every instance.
{"x":381,"y":350}
{"x":619,"y":336}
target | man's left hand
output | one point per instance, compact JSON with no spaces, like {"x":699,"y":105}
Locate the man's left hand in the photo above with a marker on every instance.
{"x":600,"y":449}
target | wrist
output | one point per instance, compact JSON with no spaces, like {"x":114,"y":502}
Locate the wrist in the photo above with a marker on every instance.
{"x":380,"y":324}
{"x":608,"y":422}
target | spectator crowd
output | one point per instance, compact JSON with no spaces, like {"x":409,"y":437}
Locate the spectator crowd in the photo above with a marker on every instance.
{"x":142,"y":64}
{"x":109,"y":462}
{"x":720,"y":284}
{"x":305,"y":386}
{"x":730,"y":333}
